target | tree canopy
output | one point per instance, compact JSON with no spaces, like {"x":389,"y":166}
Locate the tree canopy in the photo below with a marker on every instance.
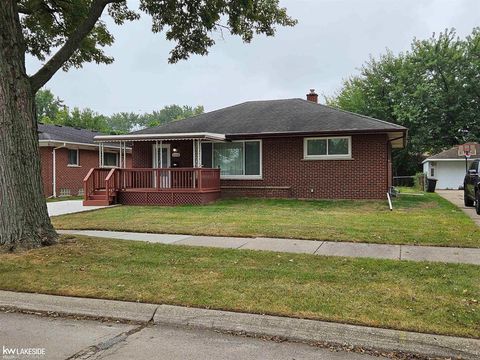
{"x":76,"y":30}
{"x":433,"y":89}
{"x":51,"y":110}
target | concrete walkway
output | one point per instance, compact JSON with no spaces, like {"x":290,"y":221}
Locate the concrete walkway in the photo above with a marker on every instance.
{"x":456,"y":198}
{"x":154,"y":321}
{"x":69,"y":207}
{"x":327,"y":248}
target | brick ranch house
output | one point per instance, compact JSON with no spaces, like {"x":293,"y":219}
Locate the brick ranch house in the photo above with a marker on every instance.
{"x":67,"y":154}
{"x":281,"y":148}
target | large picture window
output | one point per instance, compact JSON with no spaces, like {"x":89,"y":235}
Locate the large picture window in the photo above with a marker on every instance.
{"x":328,"y":148}
{"x":236,"y":159}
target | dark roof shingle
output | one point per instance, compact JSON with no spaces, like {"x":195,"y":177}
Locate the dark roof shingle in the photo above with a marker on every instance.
{"x":275,"y":116}
{"x":66,"y":133}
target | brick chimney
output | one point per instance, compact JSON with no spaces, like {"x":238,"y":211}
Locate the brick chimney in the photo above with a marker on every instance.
{"x":313,"y":96}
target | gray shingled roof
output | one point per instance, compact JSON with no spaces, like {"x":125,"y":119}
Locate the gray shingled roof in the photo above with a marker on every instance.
{"x":66,"y":133}
{"x":275,"y":116}
{"x":452,"y":154}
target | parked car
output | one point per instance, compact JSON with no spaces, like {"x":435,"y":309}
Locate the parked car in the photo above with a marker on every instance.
{"x":471,"y":186}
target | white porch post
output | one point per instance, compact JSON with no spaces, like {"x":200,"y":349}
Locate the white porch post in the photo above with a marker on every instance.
{"x":125,"y":154}
{"x":194,"y":156}
{"x":99,"y":155}
{"x":197,"y":154}
{"x":102,"y":152}
{"x":120,"y":163}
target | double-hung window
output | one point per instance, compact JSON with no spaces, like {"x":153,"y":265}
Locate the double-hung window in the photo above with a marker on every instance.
{"x":236,"y":159}
{"x":327,"y":148}
{"x":73,"y":158}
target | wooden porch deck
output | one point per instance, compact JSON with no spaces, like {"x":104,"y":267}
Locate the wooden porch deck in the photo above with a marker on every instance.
{"x":147,"y":186}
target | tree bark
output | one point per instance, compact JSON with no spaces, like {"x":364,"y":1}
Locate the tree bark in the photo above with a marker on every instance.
{"x":24,"y":221}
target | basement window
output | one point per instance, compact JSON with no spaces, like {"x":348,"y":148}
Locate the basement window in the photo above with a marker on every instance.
{"x":65,"y":192}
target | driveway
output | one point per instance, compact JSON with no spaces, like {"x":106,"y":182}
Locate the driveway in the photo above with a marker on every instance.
{"x":456,"y":198}
{"x":69,"y":207}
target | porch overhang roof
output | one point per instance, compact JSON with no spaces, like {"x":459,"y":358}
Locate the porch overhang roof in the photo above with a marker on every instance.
{"x":153,"y":137}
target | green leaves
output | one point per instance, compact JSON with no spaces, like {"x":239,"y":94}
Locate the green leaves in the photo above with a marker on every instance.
{"x":433,"y":89}
{"x":47,"y":24}
{"x":51,"y":110}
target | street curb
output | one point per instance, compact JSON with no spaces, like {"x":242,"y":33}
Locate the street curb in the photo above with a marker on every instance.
{"x":313,"y":331}
{"x":279,"y":328}
{"x":72,"y":306}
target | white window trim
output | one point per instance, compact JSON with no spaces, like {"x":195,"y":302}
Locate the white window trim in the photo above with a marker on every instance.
{"x":243,"y":177}
{"x":327,"y":157}
{"x":117,"y":160}
{"x":78,"y":158}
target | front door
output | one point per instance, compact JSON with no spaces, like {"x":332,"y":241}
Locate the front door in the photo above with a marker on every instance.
{"x":161,"y":159}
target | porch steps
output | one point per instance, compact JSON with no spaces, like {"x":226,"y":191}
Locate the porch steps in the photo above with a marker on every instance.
{"x":96,"y":203}
{"x":99,"y":198}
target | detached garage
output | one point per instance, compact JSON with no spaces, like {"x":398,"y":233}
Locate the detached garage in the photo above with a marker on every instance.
{"x":448,"y":167}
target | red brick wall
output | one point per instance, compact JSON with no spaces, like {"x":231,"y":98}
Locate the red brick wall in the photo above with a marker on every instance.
{"x":286,"y":174}
{"x":362,"y":177}
{"x":67,"y":177}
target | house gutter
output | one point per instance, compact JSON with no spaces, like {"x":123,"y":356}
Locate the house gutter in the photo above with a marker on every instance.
{"x":389,"y":151}
{"x":54,"y":168}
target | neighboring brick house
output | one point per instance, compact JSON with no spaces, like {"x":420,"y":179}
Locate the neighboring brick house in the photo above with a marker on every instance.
{"x":281,"y":148}
{"x":67,"y":154}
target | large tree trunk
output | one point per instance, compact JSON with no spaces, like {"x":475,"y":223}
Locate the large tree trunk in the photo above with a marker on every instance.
{"x":24,"y":221}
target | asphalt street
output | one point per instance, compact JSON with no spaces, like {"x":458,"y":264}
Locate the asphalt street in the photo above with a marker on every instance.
{"x":66,"y":338}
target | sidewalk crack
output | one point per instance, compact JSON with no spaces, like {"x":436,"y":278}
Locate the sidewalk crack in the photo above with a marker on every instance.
{"x":318,"y":248}
{"x":96,"y":350}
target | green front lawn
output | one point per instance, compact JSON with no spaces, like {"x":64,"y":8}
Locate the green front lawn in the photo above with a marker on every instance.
{"x":424,"y":219}
{"x":425,"y":297}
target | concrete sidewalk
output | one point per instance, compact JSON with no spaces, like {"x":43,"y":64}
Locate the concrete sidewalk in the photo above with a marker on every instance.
{"x":320,"y":333}
{"x":326,"y":248}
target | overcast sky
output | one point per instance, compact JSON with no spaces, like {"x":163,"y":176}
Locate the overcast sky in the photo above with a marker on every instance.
{"x":331,"y":41}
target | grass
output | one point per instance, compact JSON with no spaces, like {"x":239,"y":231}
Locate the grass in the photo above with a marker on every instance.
{"x":425,"y":297}
{"x":424,"y":219}
{"x":64,"y":198}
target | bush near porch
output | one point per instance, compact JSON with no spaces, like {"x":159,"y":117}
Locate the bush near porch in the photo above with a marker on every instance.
{"x":422,"y":219}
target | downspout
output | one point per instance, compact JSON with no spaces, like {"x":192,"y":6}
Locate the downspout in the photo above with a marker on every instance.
{"x":389,"y":142}
{"x":54,"y":169}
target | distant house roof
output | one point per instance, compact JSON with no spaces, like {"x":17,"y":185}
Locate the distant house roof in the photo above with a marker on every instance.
{"x":452,"y":155}
{"x":59,"y":133}
{"x":275,"y":117}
